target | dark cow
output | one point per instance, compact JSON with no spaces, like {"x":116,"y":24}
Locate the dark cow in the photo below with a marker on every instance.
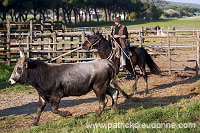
{"x":54,"y":81}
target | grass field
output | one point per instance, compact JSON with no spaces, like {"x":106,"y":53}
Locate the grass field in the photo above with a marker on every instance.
{"x":192,"y":23}
{"x":177,"y":118}
{"x":171,"y":118}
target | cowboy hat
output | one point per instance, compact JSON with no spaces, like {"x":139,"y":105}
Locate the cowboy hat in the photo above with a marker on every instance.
{"x":117,"y":19}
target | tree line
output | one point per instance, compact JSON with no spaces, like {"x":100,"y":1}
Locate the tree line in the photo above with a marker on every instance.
{"x":77,"y":11}
{"x":175,"y":9}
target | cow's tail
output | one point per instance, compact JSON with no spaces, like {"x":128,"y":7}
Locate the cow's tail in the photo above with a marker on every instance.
{"x":113,"y":69}
{"x":151,"y":64}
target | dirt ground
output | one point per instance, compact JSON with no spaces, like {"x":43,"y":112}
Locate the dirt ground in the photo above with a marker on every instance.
{"x":163,"y":90}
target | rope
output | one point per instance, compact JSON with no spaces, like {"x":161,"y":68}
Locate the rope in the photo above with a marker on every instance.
{"x":122,"y":51}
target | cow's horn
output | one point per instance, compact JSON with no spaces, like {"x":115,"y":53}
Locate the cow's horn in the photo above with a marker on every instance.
{"x":21,"y":53}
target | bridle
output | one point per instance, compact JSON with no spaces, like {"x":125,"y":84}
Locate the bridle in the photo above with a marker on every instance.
{"x":93,"y":43}
{"x":99,"y":48}
{"x":96,"y":42}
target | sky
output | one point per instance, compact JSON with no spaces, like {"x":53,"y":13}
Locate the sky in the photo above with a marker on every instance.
{"x":186,"y":1}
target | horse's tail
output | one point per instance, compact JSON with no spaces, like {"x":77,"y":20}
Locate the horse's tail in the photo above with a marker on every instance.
{"x":151,"y":64}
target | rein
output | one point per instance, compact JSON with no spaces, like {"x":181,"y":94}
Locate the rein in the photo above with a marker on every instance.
{"x":96,"y":42}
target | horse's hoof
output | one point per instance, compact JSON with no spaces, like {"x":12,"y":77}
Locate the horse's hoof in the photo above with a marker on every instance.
{"x":135,"y":99}
{"x":129,"y":96}
{"x":145,"y":94}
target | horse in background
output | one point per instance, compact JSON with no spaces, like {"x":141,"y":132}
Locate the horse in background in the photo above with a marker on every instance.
{"x":139,"y":57}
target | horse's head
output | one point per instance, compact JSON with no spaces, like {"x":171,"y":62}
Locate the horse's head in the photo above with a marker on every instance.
{"x":92,"y":40}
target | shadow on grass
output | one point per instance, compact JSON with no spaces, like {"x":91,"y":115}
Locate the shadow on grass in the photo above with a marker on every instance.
{"x":32,"y":107}
{"x":150,"y":102}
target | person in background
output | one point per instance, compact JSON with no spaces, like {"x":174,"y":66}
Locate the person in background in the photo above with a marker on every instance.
{"x":120,"y":34}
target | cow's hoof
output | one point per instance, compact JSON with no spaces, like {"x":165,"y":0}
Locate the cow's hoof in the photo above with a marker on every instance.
{"x":65,"y":113}
{"x":116,"y":111}
{"x":98,"y":113}
{"x":34,"y":124}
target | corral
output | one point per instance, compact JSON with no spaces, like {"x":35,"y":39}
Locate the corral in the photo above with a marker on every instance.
{"x":56,"y":43}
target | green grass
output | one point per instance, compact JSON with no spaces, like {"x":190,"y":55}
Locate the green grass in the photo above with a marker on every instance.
{"x":5,"y":72}
{"x":5,"y":86}
{"x":172,"y":115}
{"x":179,"y":24}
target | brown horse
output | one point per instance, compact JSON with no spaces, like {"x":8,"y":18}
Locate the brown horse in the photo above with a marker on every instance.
{"x":139,"y":57}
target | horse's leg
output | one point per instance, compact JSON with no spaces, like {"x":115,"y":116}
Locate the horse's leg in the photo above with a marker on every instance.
{"x":114,"y":82}
{"x":41,"y":105}
{"x":144,"y":75}
{"x":136,"y":77}
{"x":131,"y":63}
{"x":113,"y":93}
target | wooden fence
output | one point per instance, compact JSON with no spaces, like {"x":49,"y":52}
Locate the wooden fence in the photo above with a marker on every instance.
{"x":45,"y":41}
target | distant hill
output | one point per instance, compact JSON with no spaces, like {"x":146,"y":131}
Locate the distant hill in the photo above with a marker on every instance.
{"x":187,"y":4}
{"x":164,"y":4}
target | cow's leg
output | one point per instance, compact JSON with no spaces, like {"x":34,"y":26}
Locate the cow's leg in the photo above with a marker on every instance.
{"x":41,"y":105}
{"x":101,"y":96}
{"x":54,"y":107}
{"x":114,"y":95}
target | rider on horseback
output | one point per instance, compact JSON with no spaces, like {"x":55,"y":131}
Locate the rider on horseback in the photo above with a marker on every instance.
{"x":120,"y":34}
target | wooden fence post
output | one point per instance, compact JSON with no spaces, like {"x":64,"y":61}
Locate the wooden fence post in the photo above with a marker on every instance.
{"x":28,"y":45}
{"x":31,"y":31}
{"x":42,"y":31}
{"x":8,"y":43}
{"x":63,"y":36}
{"x":54,"y":43}
{"x":198,"y":55}
{"x":169,"y":53}
{"x":49,"y":48}
{"x":52,"y":25}
{"x":141,"y":37}
{"x":71,"y":45}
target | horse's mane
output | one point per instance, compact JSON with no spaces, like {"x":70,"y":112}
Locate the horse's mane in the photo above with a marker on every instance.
{"x":105,"y":40}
